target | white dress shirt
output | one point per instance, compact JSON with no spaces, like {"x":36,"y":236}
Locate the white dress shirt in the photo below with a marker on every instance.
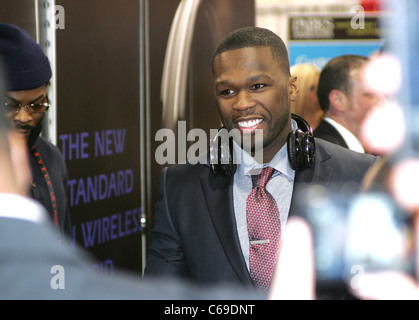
{"x":280,"y":186}
{"x":352,"y":141}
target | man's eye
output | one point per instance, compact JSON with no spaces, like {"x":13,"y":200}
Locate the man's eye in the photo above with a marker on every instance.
{"x":11,"y":104}
{"x":226,"y":92}
{"x":10,"y":107}
{"x":36,"y":106}
{"x":257,"y":86}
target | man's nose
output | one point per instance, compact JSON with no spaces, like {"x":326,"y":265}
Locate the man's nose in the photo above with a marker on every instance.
{"x":244,"y":100}
{"x":23,"y":116}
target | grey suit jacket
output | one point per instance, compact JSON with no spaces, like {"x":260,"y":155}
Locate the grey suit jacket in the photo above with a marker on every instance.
{"x":195,"y":232}
{"x":34,"y":265}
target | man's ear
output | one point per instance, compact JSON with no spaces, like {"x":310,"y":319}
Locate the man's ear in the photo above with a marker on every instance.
{"x":293,"y":88}
{"x":337,"y":100}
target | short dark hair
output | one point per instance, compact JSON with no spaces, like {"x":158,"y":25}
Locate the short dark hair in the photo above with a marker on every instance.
{"x":255,"y":37}
{"x":336,"y":75}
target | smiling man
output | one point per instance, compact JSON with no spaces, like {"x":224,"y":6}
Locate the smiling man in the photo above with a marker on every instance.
{"x":228,"y":228}
{"x":248,"y":91}
{"x":27,"y":73}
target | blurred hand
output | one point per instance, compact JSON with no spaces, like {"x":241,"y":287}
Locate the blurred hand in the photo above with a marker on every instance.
{"x":386,"y":285}
{"x":20,"y":163}
{"x":294,"y":277}
{"x":390,"y":285}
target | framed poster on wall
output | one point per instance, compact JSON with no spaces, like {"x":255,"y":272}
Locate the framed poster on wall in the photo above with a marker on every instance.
{"x":317,"y":38}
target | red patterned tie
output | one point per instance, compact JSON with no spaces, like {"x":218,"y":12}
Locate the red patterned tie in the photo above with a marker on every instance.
{"x":264,"y":228}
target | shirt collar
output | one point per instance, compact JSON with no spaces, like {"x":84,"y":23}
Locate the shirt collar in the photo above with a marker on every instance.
{"x":279,"y":162}
{"x":350,"y":139}
{"x":19,"y":207}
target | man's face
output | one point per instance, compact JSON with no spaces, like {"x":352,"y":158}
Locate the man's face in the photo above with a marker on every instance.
{"x":252,"y":92}
{"x":23,"y":121}
{"x":361,"y":101}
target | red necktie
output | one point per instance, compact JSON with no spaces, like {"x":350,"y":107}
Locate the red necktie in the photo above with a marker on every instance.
{"x":264,"y":228}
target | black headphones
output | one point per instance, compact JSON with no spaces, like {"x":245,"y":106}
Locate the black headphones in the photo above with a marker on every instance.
{"x":300,"y":148}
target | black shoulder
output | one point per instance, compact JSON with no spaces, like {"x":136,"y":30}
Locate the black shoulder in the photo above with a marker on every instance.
{"x":50,"y":153}
{"x":328,"y":149}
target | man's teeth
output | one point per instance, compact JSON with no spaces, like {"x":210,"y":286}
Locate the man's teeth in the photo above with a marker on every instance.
{"x":250,"y":123}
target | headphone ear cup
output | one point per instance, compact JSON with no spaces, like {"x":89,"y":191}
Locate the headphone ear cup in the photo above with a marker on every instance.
{"x":309,"y":150}
{"x":291,"y":150}
{"x":226,"y":166}
{"x":216,"y":156}
{"x":213,"y":156}
{"x":221,"y":156}
{"x":301,"y":145}
{"x":296,"y":151}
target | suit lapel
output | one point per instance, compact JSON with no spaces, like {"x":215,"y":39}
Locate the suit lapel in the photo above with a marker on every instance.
{"x":218,"y":193}
{"x":328,"y":132}
{"x":320,"y":174}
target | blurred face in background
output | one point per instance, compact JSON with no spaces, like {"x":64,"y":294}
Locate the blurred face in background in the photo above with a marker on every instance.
{"x":307,"y":104}
{"x":311,"y":100}
{"x":361,"y":101}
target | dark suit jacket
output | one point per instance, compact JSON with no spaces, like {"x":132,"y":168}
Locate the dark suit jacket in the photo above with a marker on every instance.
{"x":29,"y":252}
{"x":329,"y":133}
{"x":195,"y":232}
{"x":55,"y":164}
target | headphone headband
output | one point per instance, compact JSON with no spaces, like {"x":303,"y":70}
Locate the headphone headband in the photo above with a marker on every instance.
{"x":301,"y":123}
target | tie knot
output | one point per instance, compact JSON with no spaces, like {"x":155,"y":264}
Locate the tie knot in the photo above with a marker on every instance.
{"x":262,"y":179}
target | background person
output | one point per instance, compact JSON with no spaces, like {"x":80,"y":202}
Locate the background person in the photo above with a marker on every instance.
{"x":27,"y":74}
{"x":307,"y":105}
{"x":346,"y":101}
